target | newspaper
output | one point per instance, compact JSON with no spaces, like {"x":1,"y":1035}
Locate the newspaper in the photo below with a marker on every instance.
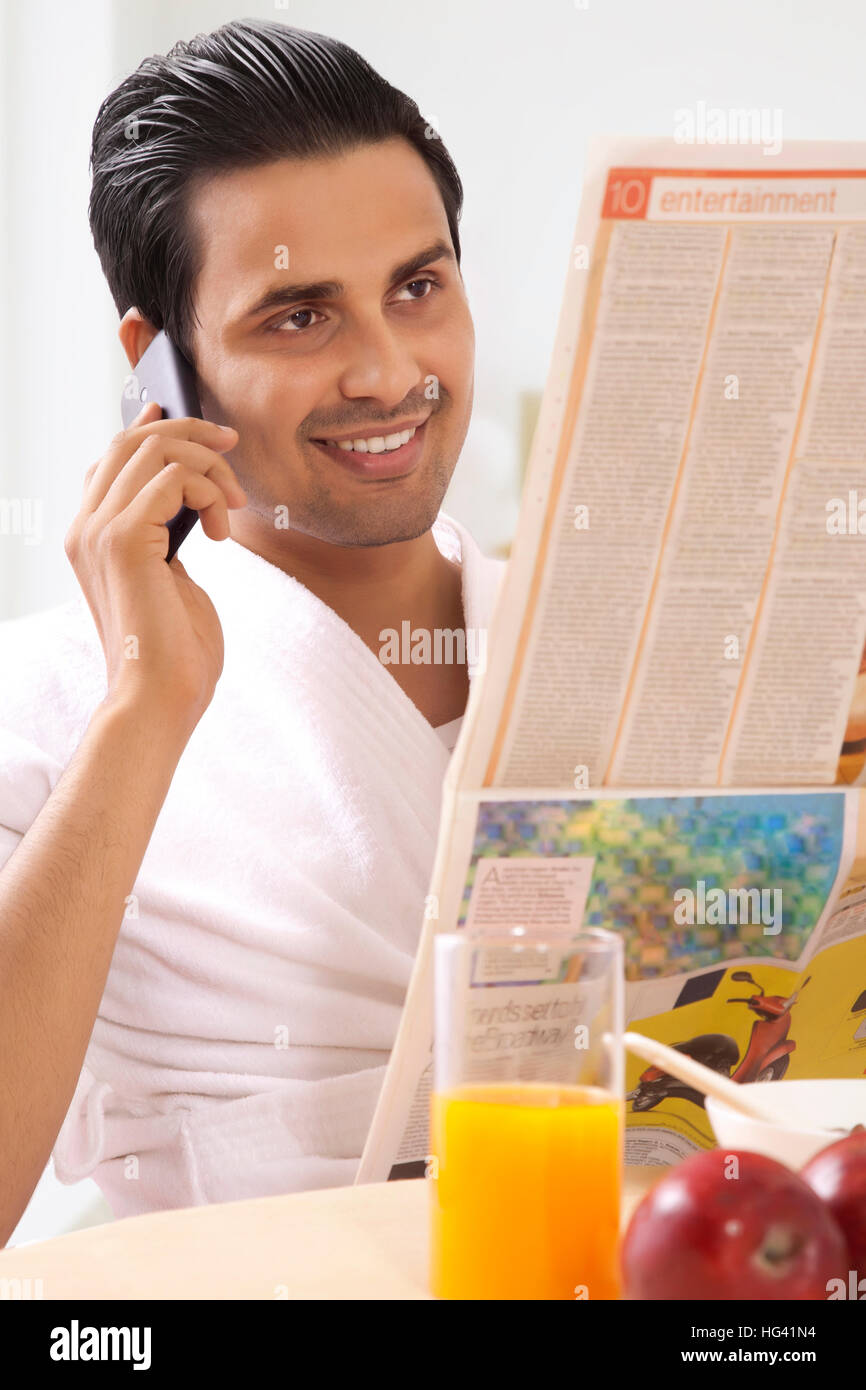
{"x":678,"y":656}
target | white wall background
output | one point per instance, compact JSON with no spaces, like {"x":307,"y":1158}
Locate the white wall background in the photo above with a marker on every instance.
{"x":515,"y":88}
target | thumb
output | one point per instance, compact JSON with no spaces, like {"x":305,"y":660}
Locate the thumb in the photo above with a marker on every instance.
{"x":150,"y":411}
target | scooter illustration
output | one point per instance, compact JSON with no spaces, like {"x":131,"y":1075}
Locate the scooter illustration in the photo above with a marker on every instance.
{"x":766,"y":1058}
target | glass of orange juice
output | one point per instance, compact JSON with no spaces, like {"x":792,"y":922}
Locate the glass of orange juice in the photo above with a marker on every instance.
{"x":527,"y":1116}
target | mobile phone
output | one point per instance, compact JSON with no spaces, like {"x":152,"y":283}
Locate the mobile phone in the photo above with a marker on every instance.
{"x":163,"y":374}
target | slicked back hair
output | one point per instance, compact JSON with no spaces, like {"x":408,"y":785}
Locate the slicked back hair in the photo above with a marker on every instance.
{"x":250,"y":93}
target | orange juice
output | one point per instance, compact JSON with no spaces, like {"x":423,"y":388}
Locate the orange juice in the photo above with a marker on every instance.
{"x":525,"y":1191}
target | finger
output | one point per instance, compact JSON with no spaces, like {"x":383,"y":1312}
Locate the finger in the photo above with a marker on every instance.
{"x":219,"y":438}
{"x":162,"y":498}
{"x":155,"y":453}
{"x":150,"y":411}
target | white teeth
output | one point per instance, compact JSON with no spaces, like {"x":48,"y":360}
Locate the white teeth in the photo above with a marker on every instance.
{"x":377,"y":444}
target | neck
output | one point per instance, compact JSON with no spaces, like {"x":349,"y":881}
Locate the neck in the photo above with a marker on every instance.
{"x":370,"y":587}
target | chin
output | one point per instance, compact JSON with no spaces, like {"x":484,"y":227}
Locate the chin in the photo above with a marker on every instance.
{"x":373,"y":530}
{"x":388,"y":516}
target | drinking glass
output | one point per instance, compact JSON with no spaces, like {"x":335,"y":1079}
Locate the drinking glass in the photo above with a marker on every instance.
{"x":527,"y":1114}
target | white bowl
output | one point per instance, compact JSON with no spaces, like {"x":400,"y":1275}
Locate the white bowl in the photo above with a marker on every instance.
{"x":809,"y":1109}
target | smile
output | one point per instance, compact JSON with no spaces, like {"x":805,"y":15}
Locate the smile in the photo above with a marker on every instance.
{"x":372,"y":444}
{"x":378,"y":455}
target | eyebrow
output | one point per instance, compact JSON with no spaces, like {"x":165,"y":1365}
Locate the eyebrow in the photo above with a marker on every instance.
{"x":284,"y":294}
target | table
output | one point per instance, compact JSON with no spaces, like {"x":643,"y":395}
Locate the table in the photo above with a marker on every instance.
{"x":367,"y":1242}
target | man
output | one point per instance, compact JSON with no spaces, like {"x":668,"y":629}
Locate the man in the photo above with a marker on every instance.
{"x":220,"y":798}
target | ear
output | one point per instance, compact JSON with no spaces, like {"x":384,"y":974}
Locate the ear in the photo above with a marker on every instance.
{"x":136,"y":333}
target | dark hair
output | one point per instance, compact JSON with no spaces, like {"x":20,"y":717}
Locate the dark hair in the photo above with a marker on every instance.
{"x":251,"y":92}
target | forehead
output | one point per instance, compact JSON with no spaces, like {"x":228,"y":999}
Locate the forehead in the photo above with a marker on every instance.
{"x":349,"y":218}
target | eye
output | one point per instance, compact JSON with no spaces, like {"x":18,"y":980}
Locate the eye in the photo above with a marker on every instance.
{"x":425,"y":280}
{"x":286,"y":324}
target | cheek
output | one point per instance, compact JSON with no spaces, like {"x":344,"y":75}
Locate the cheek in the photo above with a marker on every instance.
{"x":271,"y":397}
{"x":450,"y":356}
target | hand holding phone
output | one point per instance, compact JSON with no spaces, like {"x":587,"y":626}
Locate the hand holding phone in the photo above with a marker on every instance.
{"x":164,"y":375}
{"x":160,"y":633}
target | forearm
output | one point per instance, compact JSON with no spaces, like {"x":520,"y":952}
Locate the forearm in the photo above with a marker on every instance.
{"x":62,"y":899}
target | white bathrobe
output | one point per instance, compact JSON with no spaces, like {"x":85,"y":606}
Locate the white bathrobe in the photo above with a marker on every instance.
{"x":252,"y":1002}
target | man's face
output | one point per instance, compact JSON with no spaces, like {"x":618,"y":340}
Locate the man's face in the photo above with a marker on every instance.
{"x":381,"y":347}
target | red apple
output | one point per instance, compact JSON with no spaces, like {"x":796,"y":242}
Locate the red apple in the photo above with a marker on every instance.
{"x":838,"y":1175}
{"x":732,"y":1225}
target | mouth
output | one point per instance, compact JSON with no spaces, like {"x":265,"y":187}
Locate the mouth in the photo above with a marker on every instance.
{"x":377,"y":456}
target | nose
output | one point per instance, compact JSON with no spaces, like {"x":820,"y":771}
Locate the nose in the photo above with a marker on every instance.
{"x":379,"y":363}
